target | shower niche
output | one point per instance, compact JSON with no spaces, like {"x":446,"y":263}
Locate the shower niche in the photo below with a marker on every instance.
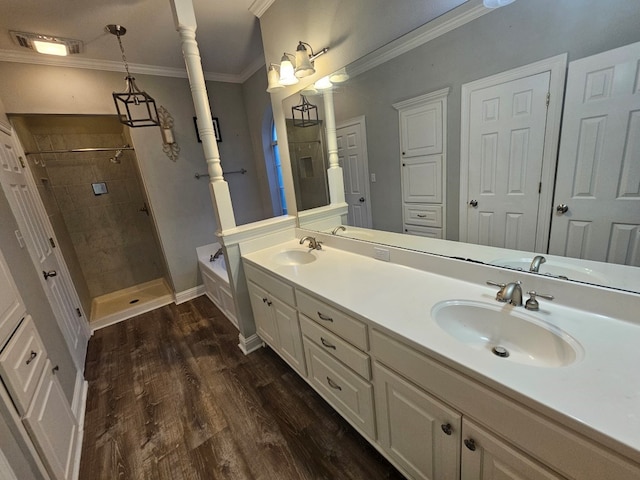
{"x":88,"y":178}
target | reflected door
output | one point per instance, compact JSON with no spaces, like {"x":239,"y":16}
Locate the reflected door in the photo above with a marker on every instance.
{"x":352,"y":156}
{"x":30,"y":216}
{"x":598,"y":188}
{"x":506,"y":138}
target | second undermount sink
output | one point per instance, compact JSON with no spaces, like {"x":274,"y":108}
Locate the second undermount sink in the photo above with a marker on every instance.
{"x":502,"y":331}
{"x":294,"y":257}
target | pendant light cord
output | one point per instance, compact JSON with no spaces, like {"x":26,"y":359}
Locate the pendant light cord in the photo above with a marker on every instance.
{"x":124,"y":57}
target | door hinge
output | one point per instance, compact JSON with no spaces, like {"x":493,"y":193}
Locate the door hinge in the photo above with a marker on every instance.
{"x":21,"y":160}
{"x":540,"y":187}
{"x":78,"y":312}
{"x":548,"y":98}
{"x":53,"y":244}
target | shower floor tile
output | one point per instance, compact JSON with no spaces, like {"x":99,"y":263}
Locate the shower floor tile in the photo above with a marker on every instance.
{"x":117,"y":306}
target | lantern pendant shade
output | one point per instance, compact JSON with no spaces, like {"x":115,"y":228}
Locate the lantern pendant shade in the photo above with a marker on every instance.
{"x":135,"y":107}
{"x":304,"y":114}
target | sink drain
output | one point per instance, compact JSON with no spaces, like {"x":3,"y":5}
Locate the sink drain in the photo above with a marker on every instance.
{"x":500,"y":351}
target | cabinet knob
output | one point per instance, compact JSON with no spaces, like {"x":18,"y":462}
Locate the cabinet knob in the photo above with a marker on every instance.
{"x":32,"y":357}
{"x":55,"y":369}
{"x":470,"y":443}
{"x":446,"y":428}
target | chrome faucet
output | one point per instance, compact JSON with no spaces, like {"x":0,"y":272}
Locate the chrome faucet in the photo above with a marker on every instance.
{"x":536,"y":262}
{"x":509,"y":292}
{"x":313,"y":243}
{"x":337,"y":229}
{"x":214,"y":256}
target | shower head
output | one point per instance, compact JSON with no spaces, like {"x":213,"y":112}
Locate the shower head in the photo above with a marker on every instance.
{"x":116,"y":157}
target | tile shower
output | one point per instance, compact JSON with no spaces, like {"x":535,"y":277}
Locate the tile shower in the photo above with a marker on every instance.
{"x":108,"y":239}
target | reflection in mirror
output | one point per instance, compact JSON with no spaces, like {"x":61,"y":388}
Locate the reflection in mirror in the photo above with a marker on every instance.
{"x":505,"y":40}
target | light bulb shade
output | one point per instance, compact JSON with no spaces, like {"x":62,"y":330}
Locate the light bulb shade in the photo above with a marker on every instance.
{"x":496,"y":3}
{"x":340,"y":76}
{"x":51,"y":48}
{"x":303,"y":62}
{"x":287,"y":76}
{"x":273,"y":78}
{"x":323,"y":83}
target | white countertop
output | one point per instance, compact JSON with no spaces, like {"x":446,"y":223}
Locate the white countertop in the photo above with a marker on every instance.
{"x":600,"y":391}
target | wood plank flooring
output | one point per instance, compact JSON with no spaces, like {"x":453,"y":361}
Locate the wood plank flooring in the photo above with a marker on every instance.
{"x":171,"y":396}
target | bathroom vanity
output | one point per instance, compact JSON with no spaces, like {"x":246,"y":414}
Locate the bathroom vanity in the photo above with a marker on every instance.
{"x":404,"y":351}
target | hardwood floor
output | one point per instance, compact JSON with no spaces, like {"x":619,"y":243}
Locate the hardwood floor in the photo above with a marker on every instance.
{"x":171,"y":396}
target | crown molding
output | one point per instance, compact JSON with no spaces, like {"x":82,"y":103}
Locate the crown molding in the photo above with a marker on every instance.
{"x":434,"y":29}
{"x":258,"y":7}
{"x":111,"y":66}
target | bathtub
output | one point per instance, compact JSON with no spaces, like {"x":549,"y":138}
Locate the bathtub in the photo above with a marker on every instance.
{"x":216,"y":280}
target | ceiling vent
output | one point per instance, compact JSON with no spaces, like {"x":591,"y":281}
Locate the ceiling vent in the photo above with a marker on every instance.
{"x":47,"y":43}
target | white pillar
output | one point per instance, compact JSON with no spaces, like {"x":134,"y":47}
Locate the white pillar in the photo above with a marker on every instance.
{"x":334,"y":173}
{"x":185,"y":22}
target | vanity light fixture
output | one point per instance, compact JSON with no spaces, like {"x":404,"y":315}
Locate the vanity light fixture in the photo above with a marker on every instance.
{"x":292,"y":67}
{"x":496,"y":3}
{"x":305,"y":114}
{"x":47,"y":44}
{"x":340,"y":76}
{"x":323,"y":84}
{"x":136,"y":108}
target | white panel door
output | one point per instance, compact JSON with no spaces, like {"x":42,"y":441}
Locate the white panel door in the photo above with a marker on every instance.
{"x":12,"y":309}
{"x":422,"y":179}
{"x":421,"y":129}
{"x":505,"y":150}
{"x":352,"y":156}
{"x":33,"y":223}
{"x":599,"y":161}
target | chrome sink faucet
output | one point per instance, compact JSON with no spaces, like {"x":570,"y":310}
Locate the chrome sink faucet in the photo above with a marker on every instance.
{"x":313,"y":243}
{"x":536,"y":262}
{"x":337,"y":229}
{"x":509,"y":292}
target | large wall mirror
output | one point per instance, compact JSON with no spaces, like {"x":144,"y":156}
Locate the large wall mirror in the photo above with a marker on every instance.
{"x":369,"y":105}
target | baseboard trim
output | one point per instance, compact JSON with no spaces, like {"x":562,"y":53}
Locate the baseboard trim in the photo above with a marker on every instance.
{"x":79,"y":408}
{"x":190,"y":294}
{"x":250,"y":344}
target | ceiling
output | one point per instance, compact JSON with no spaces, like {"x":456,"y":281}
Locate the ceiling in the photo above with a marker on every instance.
{"x":228,"y":34}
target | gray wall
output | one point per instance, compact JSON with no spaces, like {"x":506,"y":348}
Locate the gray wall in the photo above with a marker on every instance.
{"x":522,"y":33}
{"x":181,"y":204}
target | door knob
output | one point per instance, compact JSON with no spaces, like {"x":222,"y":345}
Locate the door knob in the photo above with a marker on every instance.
{"x":473,"y":203}
{"x":361,"y":199}
{"x":562,"y":208}
{"x":50,"y":273}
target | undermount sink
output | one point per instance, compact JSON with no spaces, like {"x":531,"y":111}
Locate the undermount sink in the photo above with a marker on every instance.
{"x":502,"y":331}
{"x":552,"y":268}
{"x":294,"y":257}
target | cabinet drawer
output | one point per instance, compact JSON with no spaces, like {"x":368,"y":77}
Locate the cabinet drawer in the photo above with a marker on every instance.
{"x":350,"y":356}
{"x":274,"y":286}
{"x":350,"y":329}
{"x":343,"y":389}
{"x":430,"y":232}
{"x":22,"y":362}
{"x":425,"y":215}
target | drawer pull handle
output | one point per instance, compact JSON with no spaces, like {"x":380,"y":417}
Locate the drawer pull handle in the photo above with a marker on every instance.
{"x":266,"y":300}
{"x":470,"y":443}
{"x":446,"y":428}
{"x":327,"y":344}
{"x":32,"y":357}
{"x":333,"y":384}
{"x":55,"y":369}
{"x":422,"y":215}
{"x":324,"y":317}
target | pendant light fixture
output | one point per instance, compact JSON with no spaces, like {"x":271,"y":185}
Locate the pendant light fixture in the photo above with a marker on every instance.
{"x":136,"y":108}
{"x":305,"y":114}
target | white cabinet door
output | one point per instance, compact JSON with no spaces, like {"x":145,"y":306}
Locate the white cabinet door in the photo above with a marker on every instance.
{"x":421,"y":130}
{"x":289,"y":336}
{"x":484,"y":457}
{"x":52,"y":426}
{"x":422,"y":179}
{"x":599,"y":160}
{"x":416,"y":430}
{"x":265,"y":323}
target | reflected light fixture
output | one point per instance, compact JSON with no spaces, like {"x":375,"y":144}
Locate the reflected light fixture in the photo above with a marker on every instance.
{"x":323,"y":84}
{"x":136,"y":108}
{"x":304,"y":114}
{"x":47,"y":44}
{"x":496,"y":3}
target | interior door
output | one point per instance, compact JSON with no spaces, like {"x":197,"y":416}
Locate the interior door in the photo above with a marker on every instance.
{"x":35,"y":230}
{"x":598,"y":188}
{"x":12,"y":309}
{"x":506,"y":137}
{"x":352,"y":156}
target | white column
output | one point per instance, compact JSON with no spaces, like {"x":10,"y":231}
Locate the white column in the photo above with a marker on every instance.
{"x":185,"y":22}
{"x":334,"y":173}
